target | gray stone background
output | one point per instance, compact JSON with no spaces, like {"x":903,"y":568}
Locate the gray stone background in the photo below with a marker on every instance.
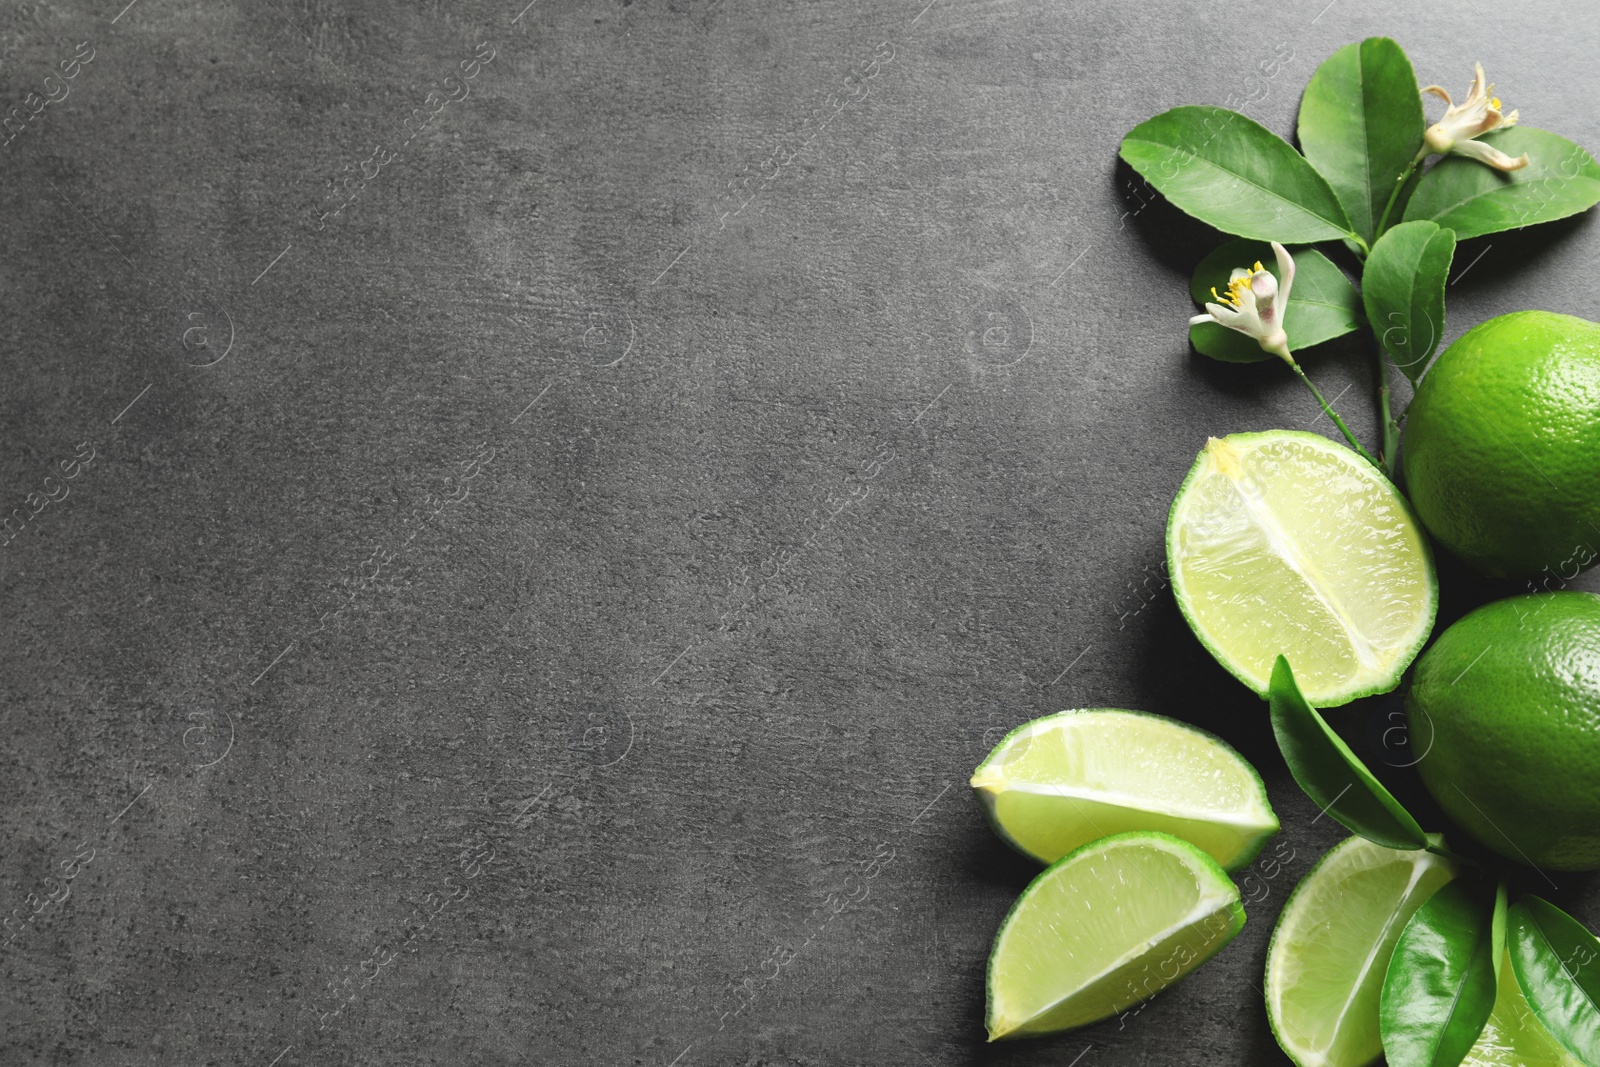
{"x":558,"y":541}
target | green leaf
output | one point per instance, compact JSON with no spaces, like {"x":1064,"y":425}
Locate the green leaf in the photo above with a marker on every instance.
{"x":1322,"y":302}
{"x":1233,"y":173}
{"x":1473,"y":198}
{"x":1440,"y":987}
{"x":1557,"y":963}
{"x":1403,"y":290}
{"x":1361,"y":125}
{"x":1331,"y":774}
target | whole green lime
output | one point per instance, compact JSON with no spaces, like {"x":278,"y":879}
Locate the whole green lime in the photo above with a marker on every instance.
{"x":1505,"y":718}
{"x":1502,"y":446}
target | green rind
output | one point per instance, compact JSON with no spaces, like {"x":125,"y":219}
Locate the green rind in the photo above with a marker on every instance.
{"x":1220,"y":877}
{"x":1502,"y":446}
{"x":1288,"y":909}
{"x":1511,"y":697}
{"x":1336,"y":699}
{"x":1245,"y":858}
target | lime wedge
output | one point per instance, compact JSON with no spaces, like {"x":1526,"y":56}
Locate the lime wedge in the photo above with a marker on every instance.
{"x":1059,"y":782}
{"x":1332,"y":946}
{"x":1513,"y":1036}
{"x":1286,"y":543}
{"x":1111,"y":924}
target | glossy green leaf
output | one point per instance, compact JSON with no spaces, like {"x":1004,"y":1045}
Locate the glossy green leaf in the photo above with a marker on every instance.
{"x":1361,"y":125}
{"x":1331,"y":774}
{"x":1557,"y":963}
{"x":1233,"y":173}
{"x":1473,"y":198}
{"x":1322,"y":302}
{"x":1402,"y":287}
{"x":1440,"y":986}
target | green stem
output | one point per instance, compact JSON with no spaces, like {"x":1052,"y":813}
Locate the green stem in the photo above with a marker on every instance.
{"x":1394,"y":195}
{"x":1327,"y":409}
{"x":1389,"y":450}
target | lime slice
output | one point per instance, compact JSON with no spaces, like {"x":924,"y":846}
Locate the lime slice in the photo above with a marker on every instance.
{"x":1059,"y":782}
{"x":1332,"y":946}
{"x":1111,"y":924}
{"x":1284,"y":543}
{"x":1513,"y":1036}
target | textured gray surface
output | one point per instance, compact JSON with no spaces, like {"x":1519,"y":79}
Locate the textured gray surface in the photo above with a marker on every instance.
{"x":667,"y":703}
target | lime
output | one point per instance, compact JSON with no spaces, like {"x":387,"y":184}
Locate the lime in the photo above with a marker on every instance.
{"x":1105,"y":927}
{"x":1332,"y":945}
{"x":1513,"y":1036}
{"x":1505,"y":708}
{"x":1284,"y":543}
{"x":1062,"y":781}
{"x":1502,"y":446}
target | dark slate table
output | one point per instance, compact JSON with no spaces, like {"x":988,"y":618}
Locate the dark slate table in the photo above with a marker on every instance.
{"x":572,"y":492}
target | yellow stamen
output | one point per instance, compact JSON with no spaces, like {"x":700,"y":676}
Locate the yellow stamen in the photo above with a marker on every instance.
{"x":1257,"y":268}
{"x":1494,"y":102}
{"x":1237,"y":287}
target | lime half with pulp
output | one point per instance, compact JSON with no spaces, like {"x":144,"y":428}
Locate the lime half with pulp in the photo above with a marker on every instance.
{"x":1057,"y":783}
{"x":1105,"y":927}
{"x":1285,"y":543}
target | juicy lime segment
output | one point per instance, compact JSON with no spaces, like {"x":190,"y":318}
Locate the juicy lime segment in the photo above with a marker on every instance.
{"x":1062,"y":781}
{"x":1285,"y":543}
{"x":1513,"y":1036}
{"x":1332,"y":945}
{"x":1109,"y":925}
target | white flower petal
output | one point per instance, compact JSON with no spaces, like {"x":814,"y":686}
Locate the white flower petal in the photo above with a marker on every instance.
{"x":1489,"y":154}
{"x":1285,"y":273}
{"x":1478,"y":114}
{"x":1478,"y":93}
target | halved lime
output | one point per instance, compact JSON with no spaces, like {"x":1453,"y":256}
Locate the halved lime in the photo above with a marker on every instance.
{"x":1057,"y":783}
{"x":1513,"y":1036}
{"x":1285,"y":543}
{"x":1105,"y":927}
{"x":1332,"y":944}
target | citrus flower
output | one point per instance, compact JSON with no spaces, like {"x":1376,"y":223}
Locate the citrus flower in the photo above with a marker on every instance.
{"x":1463,"y":123}
{"x":1255,"y":304}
